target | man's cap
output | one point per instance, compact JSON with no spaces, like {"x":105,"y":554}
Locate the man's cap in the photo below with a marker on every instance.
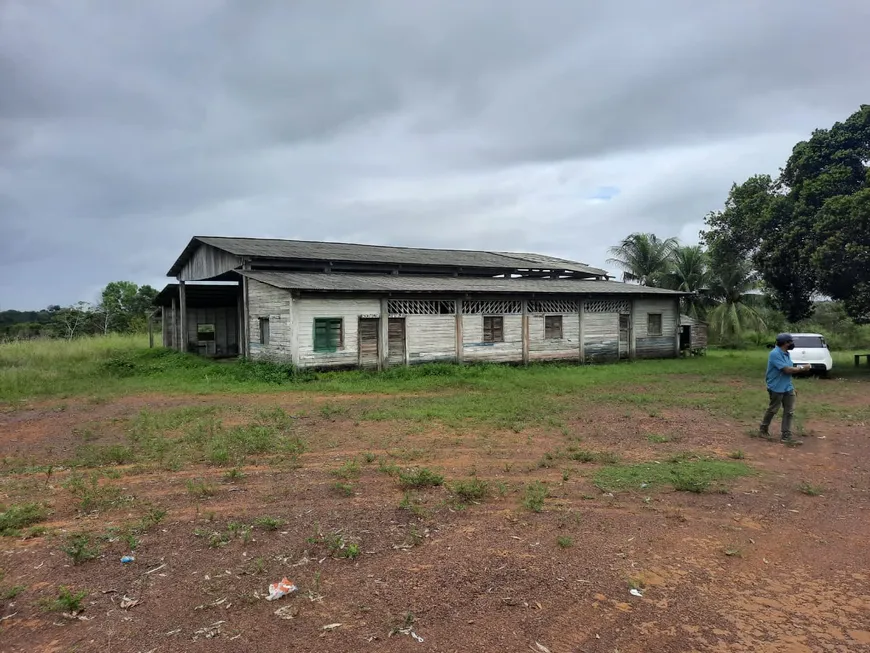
{"x":783,"y":338}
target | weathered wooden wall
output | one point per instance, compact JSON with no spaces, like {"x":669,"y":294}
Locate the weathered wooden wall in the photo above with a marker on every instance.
{"x":601,"y":335}
{"x":306,"y":309}
{"x":566,"y":347}
{"x":431,"y":338}
{"x":208,"y":262}
{"x":656,"y":346}
{"x":277,"y":305}
{"x":699,"y":336}
{"x":474,"y":349}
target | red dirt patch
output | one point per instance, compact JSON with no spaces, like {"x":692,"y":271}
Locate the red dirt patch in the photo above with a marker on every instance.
{"x":763,"y":568}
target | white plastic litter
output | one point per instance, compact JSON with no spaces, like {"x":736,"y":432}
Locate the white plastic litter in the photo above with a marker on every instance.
{"x":282,"y":588}
{"x":635,"y":592}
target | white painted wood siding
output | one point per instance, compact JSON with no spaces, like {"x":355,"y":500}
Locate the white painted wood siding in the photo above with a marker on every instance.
{"x":474,"y":349}
{"x":601,"y":333}
{"x":277,"y":305}
{"x":656,"y":346}
{"x":431,"y":338}
{"x":208,"y":262}
{"x":305,"y":310}
{"x":566,"y":347}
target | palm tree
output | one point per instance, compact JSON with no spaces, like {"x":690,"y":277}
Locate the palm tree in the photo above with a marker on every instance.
{"x":737,"y":310}
{"x":643,"y":258}
{"x":690,"y":272}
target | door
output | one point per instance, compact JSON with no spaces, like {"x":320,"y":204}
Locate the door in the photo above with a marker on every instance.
{"x":624,"y":327}
{"x":396,"y":341}
{"x":368,"y":342}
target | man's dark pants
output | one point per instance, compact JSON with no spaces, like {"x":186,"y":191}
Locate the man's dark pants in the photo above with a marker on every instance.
{"x":787,"y":401}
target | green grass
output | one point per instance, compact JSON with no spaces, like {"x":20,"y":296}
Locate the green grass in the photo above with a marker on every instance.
{"x":688,"y":475}
{"x":16,"y":517}
{"x":502,"y":396}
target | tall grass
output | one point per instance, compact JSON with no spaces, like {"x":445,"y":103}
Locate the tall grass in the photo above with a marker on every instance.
{"x":112,"y":365}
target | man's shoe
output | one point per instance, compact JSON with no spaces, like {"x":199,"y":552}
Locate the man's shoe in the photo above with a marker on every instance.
{"x":764,"y":433}
{"x":791,"y":442}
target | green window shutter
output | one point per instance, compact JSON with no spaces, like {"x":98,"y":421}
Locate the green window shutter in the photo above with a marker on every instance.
{"x":334,"y":334}
{"x":327,"y":334}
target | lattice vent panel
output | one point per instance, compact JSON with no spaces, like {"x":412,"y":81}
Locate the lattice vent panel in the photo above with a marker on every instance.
{"x":420,"y":307}
{"x":621,"y":306}
{"x":493,"y":307}
{"x":553,"y":306}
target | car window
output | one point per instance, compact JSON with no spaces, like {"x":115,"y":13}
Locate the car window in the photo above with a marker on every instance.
{"x":809,"y":342}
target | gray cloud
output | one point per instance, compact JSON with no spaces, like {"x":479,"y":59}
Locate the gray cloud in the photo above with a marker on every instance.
{"x":127,"y":128}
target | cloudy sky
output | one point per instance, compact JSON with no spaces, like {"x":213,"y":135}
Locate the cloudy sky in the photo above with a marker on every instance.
{"x":556,"y":126}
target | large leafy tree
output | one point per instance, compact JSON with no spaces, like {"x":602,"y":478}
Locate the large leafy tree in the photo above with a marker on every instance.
{"x":644,"y":258}
{"x":123,"y":306}
{"x":806,"y":232}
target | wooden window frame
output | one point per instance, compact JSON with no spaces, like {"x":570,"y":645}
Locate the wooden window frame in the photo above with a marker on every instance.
{"x":659,"y":331}
{"x":328,"y":348}
{"x":492,"y":339}
{"x":265,"y":334}
{"x":553,"y":325}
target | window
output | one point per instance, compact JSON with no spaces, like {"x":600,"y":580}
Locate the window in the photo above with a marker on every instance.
{"x":654,"y":324}
{"x":264,"y":330}
{"x":552,"y":327}
{"x":809,"y":342}
{"x":205,"y":332}
{"x":328,"y":334}
{"x":493,"y":328}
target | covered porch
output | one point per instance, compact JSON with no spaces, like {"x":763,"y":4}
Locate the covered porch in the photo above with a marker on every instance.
{"x":211,"y":321}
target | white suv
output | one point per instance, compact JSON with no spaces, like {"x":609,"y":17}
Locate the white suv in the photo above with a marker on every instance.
{"x":810,"y":349}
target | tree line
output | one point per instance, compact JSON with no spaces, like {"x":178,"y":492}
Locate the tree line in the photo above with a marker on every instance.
{"x":783,"y":252}
{"x":123,"y":308}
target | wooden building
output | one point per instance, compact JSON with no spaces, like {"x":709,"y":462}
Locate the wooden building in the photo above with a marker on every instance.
{"x":331,"y":305}
{"x":693,"y":335}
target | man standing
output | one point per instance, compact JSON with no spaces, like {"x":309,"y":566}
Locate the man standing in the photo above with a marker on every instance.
{"x":780,"y":388}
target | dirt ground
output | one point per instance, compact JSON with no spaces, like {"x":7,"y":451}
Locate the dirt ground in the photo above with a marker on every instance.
{"x":761,"y":568}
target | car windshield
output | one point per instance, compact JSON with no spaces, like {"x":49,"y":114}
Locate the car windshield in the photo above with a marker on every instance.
{"x":809,"y":342}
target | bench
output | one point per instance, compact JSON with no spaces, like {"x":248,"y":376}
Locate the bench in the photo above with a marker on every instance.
{"x":858,"y":358}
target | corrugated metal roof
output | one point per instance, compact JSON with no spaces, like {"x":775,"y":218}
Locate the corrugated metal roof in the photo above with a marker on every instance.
{"x":348,"y":252}
{"x":405,"y":283}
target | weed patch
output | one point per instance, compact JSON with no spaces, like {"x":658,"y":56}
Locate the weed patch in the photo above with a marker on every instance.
{"x":79,"y":547}
{"x":66,"y":601}
{"x":472,"y":490}
{"x":811,"y":490}
{"x":534,"y":495}
{"x":16,"y":517}
{"x":419,"y":478}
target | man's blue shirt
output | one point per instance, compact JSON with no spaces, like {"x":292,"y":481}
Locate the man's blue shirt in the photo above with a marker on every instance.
{"x":777,"y":380}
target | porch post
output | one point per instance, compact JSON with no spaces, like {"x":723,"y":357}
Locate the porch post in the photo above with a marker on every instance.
{"x":525,"y":331}
{"x":182,"y":300}
{"x":384,"y":334}
{"x":459,"y":336}
{"x":174,"y":324}
{"x":581,"y":312}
